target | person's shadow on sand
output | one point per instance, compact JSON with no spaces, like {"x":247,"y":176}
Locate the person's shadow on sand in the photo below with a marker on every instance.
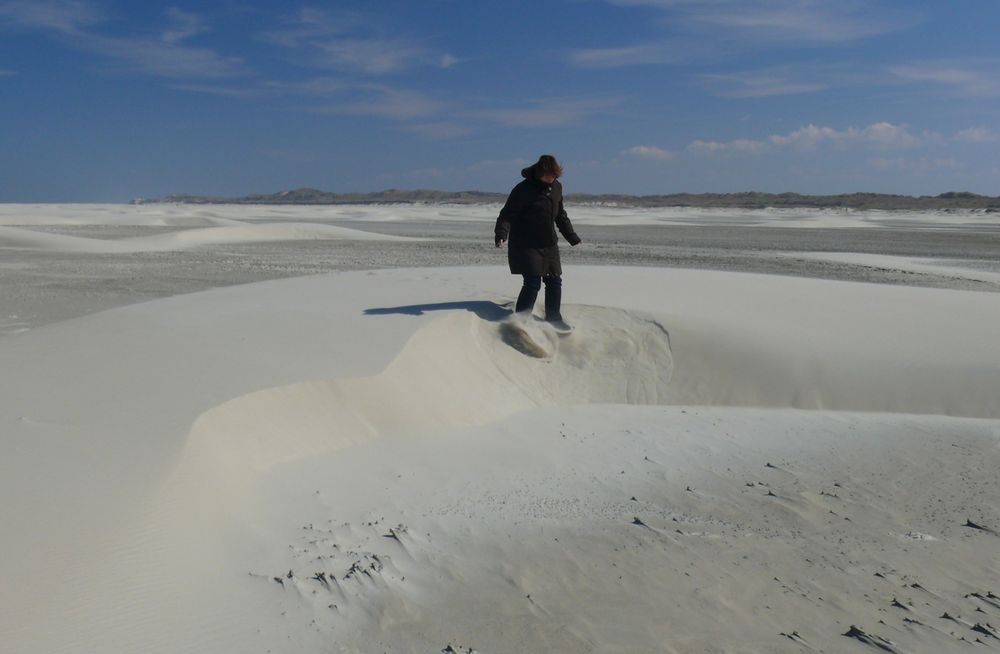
{"x":490,"y":311}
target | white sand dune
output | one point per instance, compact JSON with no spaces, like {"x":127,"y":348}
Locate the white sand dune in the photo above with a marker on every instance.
{"x":376,"y":461}
{"x":161,"y":215}
{"x":180,"y":215}
{"x":184,"y":239}
{"x":956,"y":269}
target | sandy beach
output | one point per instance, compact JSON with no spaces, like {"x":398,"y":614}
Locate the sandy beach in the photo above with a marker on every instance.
{"x":267,"y":429}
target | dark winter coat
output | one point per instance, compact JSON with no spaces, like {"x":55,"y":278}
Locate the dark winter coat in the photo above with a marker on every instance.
{"x":528,"y":223}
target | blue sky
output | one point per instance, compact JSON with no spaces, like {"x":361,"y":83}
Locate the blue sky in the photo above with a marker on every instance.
{"x":106,"y":101}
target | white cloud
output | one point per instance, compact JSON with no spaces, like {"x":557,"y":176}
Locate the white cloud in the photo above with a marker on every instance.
{"x":773,"y":22}
{"x":976,"y":78}
{"x":632,"y":55}
{"x":710,"y":29}
{"x":878,"y":134}
{"x":942,"y":74}
{"x":183,"y":25}
{"x":807,"y":137}
{"x":649,"y":152}
{"x":881,"y":135}
{"x":353,"y":43}
{"x":334,"y":96}
{"x":919,"y":166}
{"x":315,"y":87}
{"x":439,"y":131}
{"x":888,"y":135}
{"x":310,"y":24}
{"x":73,"y":23}
{"x":929,"y":137}
{"x":163,"y":59}
{"x":759,"y":84}
{"x":244,"y":93}
{"x":977,"y":135}
{"x":68,"y":16}
{"x":7,"y":73}
{"x":737,"y":146}
{"x":383,"y":101}
{"x":548,"y":113}
{"x":369,"y":56}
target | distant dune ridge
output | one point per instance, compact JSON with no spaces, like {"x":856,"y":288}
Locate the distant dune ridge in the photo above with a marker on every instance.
{"x":745,"y":200}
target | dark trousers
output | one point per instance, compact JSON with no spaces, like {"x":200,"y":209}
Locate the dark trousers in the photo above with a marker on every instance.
{"x":553,"y":295}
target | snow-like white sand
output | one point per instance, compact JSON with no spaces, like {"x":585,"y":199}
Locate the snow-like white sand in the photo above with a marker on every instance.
{"x":193,"y":216}
{"x":920,"y":265}
{"x":192,"y":227}
{"x":379,"y":461}
{"x":183,"y":239}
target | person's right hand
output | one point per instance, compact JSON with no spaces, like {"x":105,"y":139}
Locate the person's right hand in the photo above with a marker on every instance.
{"x":500,"y":242}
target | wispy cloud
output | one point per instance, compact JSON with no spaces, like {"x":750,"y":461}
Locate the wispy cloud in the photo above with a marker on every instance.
{"x":970,"y":78}
{"x":759,"y":84}
{"x":68,"y":16}
{"x":737,"y":146}
{"x":225,"y":91}
{"x":183,"y":25}
{"x":74,"y":24}
{"x":439,"y":131}
{"x":353,"y":43}
{"x":550,"y":112}
{"x":310,"y":25}
{"x":920,"y":166}
{"x":648,"y":152}
{"x":339,"y":96}
{"x":882,"y":134}
{"x":771,"y":21}
{"x":315,"y":86}
{"x":671,"y":52}
{"x":977,"y":135}
{"x":162,"y":58}
{"x":7,"y":73}
{"x":708,"y":29}
{"x":370,"y":56}
{"x":383,"y":101}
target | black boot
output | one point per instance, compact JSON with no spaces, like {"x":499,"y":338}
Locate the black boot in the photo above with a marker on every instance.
{"x":525,"y":300}
{"x":529,"y":293}
{"x":553,"y":298}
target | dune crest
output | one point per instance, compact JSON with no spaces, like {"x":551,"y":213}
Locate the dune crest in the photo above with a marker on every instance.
{"x":458,"y":371}
{"x":186,"y":237}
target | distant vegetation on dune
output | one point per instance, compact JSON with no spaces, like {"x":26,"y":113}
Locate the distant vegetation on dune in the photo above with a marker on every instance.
{"x":748,"y":200}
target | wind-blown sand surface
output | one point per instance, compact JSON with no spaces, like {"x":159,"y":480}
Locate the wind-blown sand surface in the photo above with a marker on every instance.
{"x":180,"y":215}
{"x":64,"y":261}
{"x":380,"y":461}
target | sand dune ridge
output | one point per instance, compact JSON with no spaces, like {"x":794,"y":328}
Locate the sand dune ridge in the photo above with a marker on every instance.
{"x":457,"y":371}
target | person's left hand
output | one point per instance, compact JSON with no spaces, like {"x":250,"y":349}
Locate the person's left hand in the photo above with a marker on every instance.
{"x":500,"y":241}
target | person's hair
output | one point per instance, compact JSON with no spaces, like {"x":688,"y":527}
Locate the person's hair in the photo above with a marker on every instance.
{"x":547,"y":164}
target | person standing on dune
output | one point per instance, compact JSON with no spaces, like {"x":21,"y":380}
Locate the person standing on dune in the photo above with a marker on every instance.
{"x":528,"y":222}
